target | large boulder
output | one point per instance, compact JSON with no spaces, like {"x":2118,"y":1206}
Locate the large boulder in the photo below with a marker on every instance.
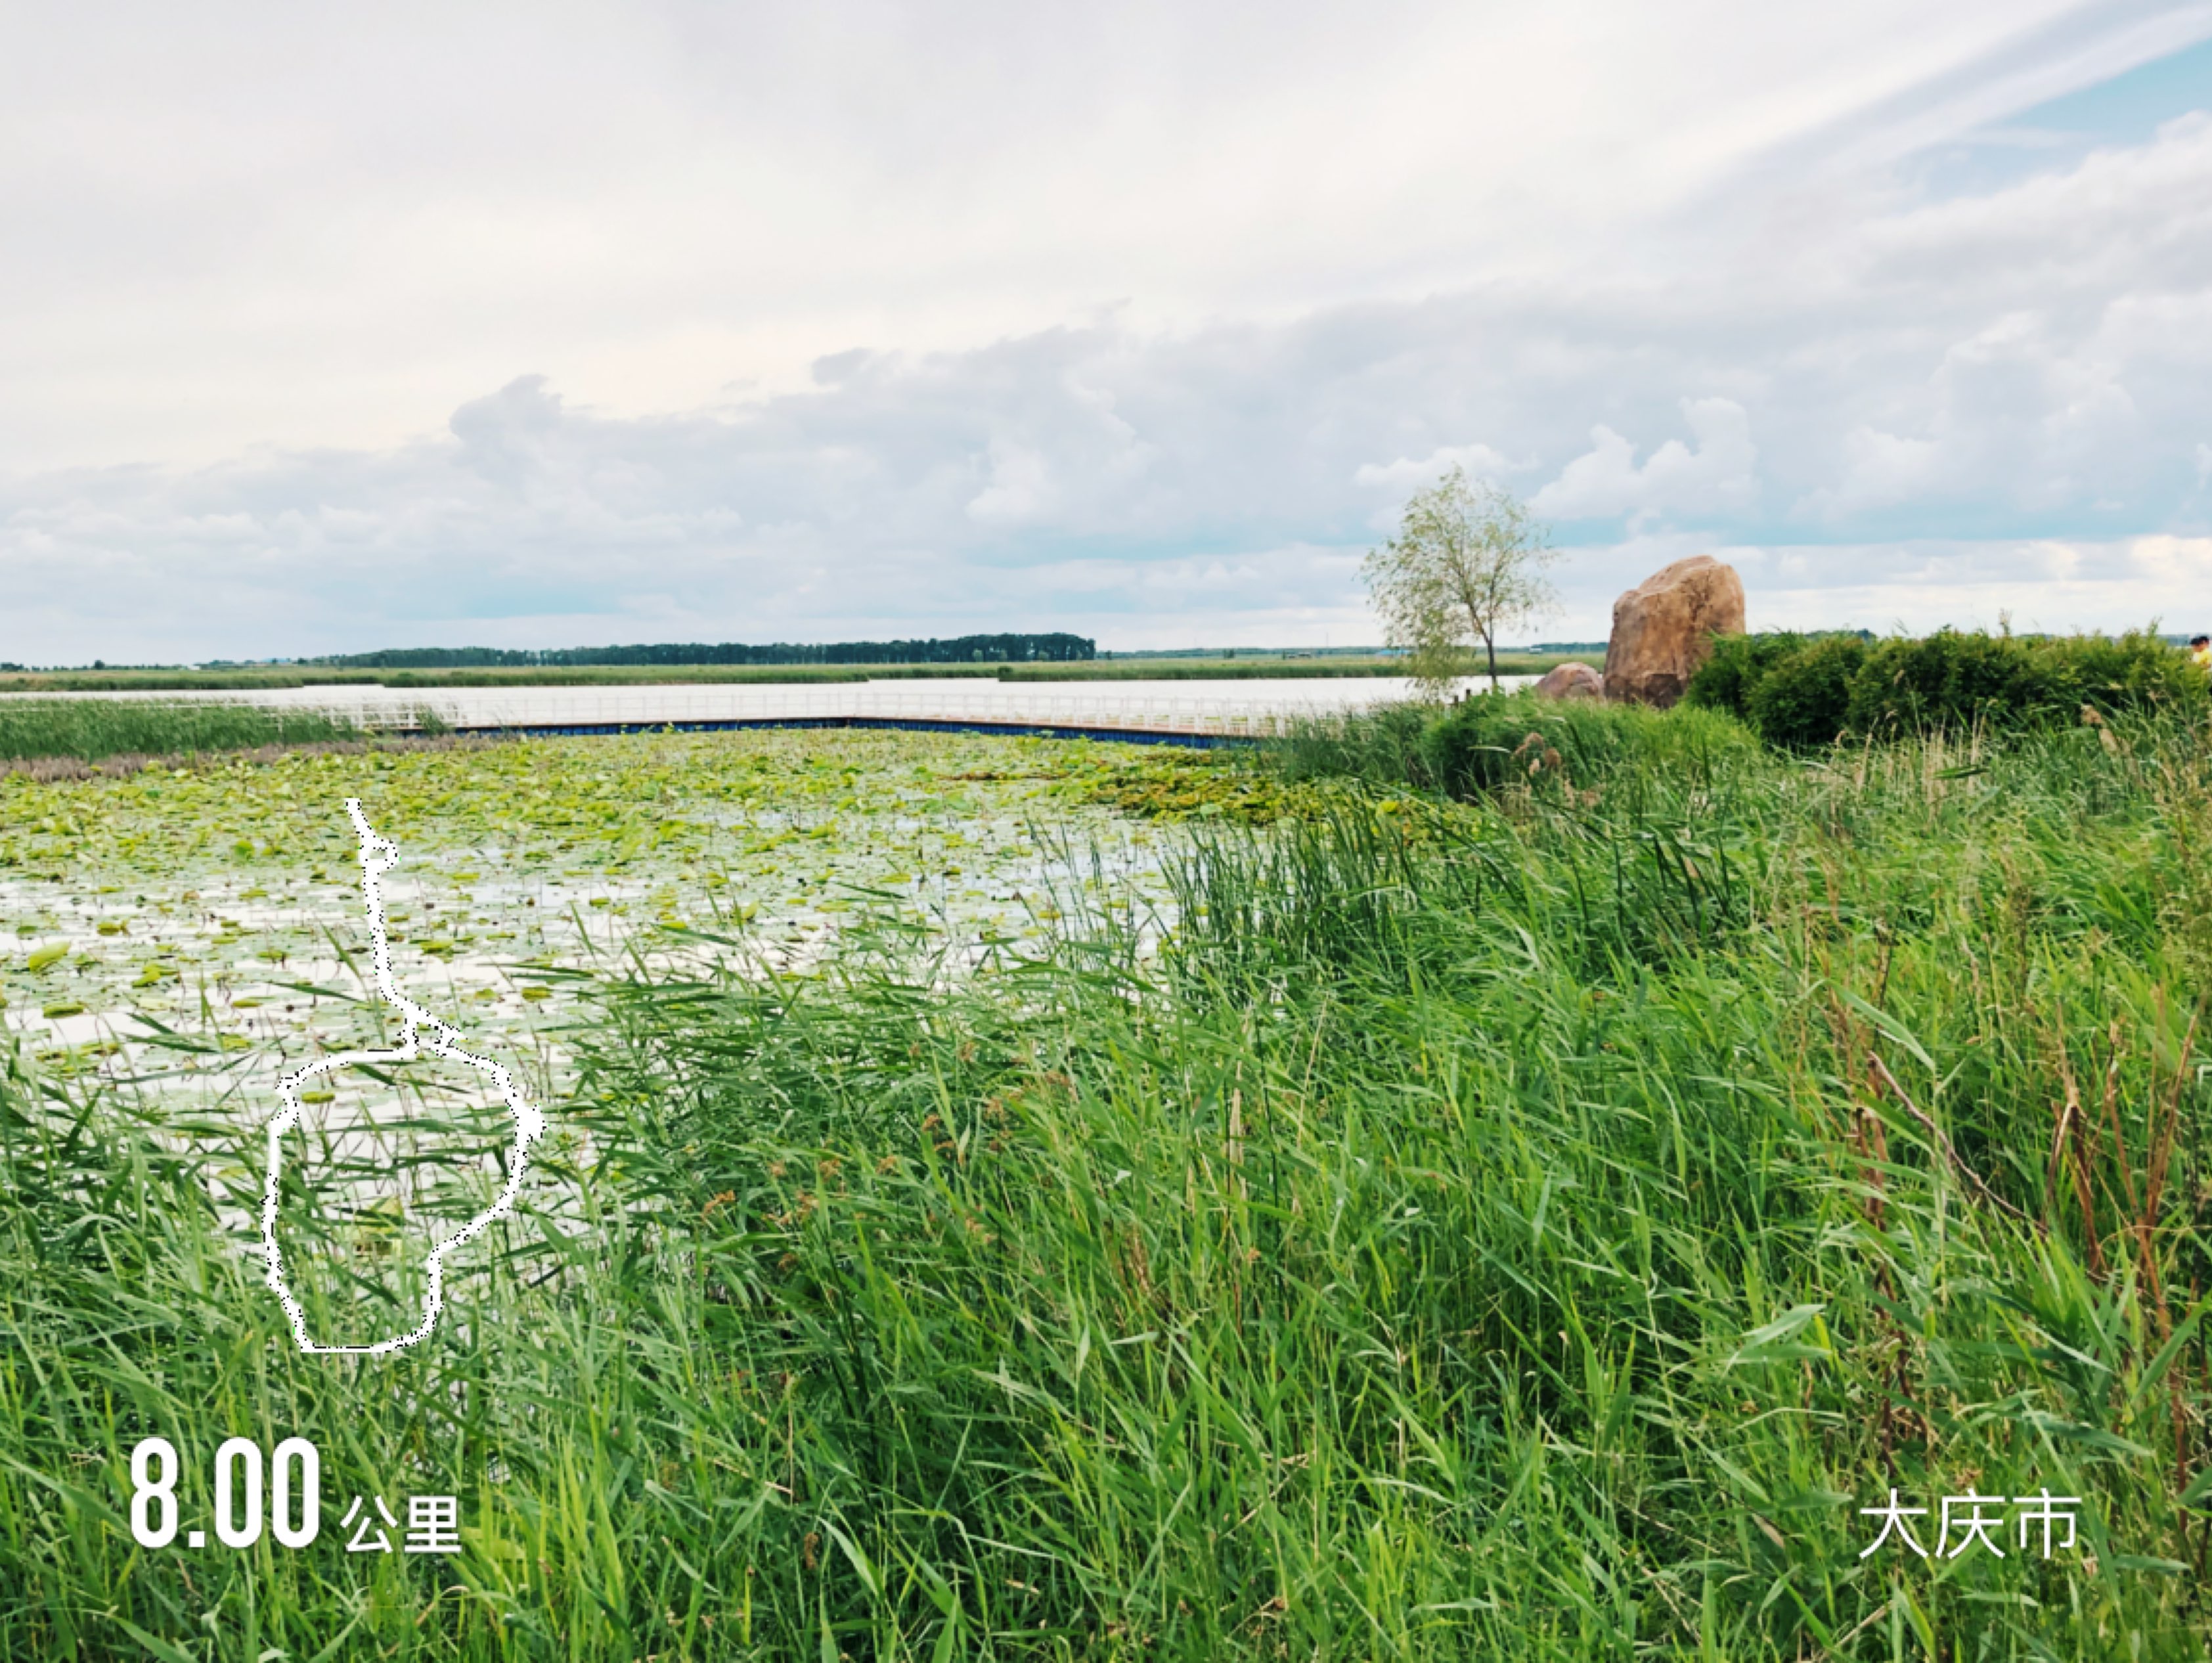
{"x":1571,"y":680}
{"x":1663,"y":628}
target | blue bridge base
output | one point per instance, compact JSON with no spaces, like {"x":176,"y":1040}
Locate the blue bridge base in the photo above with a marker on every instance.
{"x":1119,"y":736}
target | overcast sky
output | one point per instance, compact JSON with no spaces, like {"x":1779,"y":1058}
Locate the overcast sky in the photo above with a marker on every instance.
{"x":332,"y":329}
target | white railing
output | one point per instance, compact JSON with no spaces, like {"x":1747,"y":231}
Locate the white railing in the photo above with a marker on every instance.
{"x":1247,"y":709}
{"x":602,"y":707}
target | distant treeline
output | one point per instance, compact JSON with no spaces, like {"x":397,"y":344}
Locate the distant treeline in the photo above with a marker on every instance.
{"x":960,"y":649}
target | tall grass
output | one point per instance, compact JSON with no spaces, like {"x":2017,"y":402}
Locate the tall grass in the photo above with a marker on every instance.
{"x":1486,"y":741}
{"x":1528,"y":1231}
{"x":91,"y":729}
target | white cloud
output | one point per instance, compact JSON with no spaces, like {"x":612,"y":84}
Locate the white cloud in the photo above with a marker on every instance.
{"x":1879,"y":470}
{"x":2054,"y":584}
{"x":1479,"y":460}
{"x":1020,"y":486}
{"x":314,"y":230}
{"x":2057,"y":585}
{"x":1718,"y":477}
{"x":832,"y":361}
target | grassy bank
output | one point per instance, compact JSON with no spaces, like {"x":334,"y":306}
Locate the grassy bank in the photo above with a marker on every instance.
{"x":90,"y":730}
{"x":1528,"y":1228}
{"x":1486,"y":742}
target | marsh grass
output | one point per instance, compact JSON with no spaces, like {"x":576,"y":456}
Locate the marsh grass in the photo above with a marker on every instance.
{"x":90,"y":730}
{"x":1528,"y":1230}
{"x":1488,"y":741}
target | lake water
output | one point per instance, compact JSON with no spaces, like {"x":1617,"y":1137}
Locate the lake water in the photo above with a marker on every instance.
{"x":183,"y":937}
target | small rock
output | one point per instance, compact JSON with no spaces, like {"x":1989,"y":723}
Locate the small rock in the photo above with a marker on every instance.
{"x":1572,"y":680}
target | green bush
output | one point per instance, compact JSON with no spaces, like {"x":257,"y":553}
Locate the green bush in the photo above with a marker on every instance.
{"x":1805,"y":697}
{"x":1725,"y":680}
{"x":1952,"y":679}
{"x":1946,"y":679}
{"x":1803,"y":691}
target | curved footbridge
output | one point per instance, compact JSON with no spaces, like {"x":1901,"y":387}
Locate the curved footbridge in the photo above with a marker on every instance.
{"x":1183,"y":713}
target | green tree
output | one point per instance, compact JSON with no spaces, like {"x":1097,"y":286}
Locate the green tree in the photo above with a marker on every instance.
{"x":1467,"y":563}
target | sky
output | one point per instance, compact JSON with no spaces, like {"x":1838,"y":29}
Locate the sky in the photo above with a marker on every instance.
{"x":570,"y":323}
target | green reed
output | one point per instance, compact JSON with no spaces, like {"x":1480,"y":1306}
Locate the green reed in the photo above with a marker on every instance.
{"x":1529,"y":1229}
{"x":92,"y":729}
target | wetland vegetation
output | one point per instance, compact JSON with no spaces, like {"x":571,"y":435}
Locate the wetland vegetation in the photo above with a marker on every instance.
{"x":88,"y":729}
{"x":1413,"y":1197}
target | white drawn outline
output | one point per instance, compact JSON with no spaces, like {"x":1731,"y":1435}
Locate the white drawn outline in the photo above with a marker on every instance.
{"x":378,"y":856}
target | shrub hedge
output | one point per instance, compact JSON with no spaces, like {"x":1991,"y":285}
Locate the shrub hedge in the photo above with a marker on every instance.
{"x":1738,"y":664}
{"x":1801,"y":691}
{"x":1805,"y":697}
